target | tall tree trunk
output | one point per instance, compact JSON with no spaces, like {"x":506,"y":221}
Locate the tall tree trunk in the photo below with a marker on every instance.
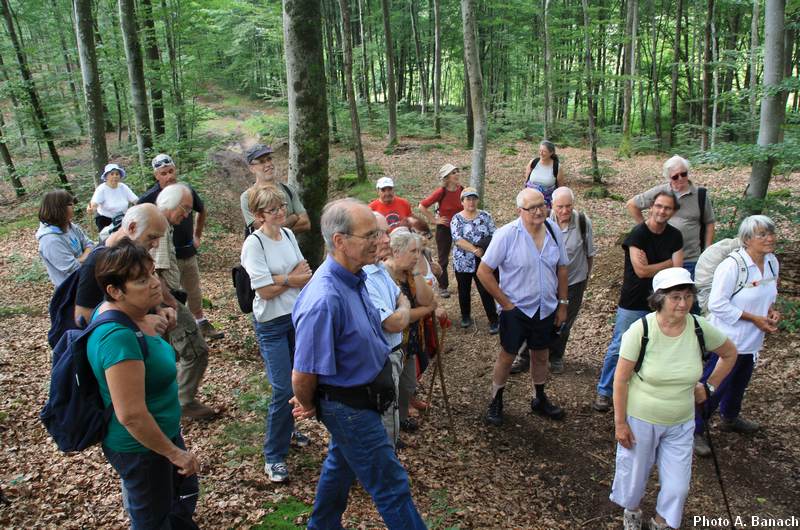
{"x":437,"y":67}
{"x":154,"y":66}
{"x":33,"y":95}
{"x":308,"y":124}
{"x":329,"y":17}
{"x":390,"y":83}
{"x":84,"y":32}
{"x":170,"y":19}
{"x":133,"y":53}
{"x":18,"y":111}
{"x":364,"y":57}
{"x":708,"y":59}
{"x":468,"y":116}
{"x":673,"y":91}
{"x":715,"y":85}
{"x":361,"y":168}
{"x":423,"y":74}
{"x":476,"y":95}
{"x":754,"y":43}
{"x":655,"y":76}
{"x":625,"y":148}
{"x":19,"y":190}
{"x":772,"y":114}
{"x":548,"y":83}
{"x":76,"y":106}
{"x":596,"y":178}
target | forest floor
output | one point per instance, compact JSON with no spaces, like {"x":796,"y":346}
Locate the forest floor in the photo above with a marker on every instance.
{"x":529,"y":473}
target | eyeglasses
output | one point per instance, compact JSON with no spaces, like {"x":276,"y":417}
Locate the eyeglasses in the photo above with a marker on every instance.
{"x":162,"y":161}
{"x":274,"y":211}
{"x":370,"y":236}
{"x":682,"y":174}
{"x":534,"y":207}
{"x":763,"y":235}
{"x":185,"y":210}
{"x":675,"y":298}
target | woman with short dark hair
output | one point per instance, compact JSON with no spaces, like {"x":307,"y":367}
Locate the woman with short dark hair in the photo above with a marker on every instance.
{"x":654,"y":401}
{"x":63,"y":245}
{"x":544,"y":173}
{"x":143,"y":442}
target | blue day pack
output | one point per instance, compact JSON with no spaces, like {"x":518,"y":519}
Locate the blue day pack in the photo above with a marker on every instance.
{"x":74,"y":414}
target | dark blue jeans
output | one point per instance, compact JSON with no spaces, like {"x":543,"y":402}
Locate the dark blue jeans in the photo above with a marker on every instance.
{"x":728,"y":397}
{"x":276,"y":343}
{"x":359,"y":448}
{"x":154,"y":494}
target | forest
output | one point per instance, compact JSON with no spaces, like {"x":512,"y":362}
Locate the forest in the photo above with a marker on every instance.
{"x":348,"y":91}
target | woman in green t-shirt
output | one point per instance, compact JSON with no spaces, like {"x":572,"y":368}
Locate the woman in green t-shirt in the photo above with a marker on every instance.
{"x":143,"y":442}
{"x":654,"y":407}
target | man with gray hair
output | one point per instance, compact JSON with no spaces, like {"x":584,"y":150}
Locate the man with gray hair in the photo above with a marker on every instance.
{"x":342,"y":374}
{"x":576,"y":228}
{"x":694,"y":216}
{"x":175,"y":203}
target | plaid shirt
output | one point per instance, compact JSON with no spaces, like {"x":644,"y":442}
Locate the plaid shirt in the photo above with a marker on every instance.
{"x":166,"y":261}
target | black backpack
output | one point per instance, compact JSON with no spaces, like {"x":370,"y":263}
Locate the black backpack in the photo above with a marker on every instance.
{"x":536,"y":161}
{"x":241,"y":281}
{"x":698,"y":331}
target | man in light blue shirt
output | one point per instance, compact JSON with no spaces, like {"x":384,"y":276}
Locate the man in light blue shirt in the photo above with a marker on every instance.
{"x":394,"y":309}
{"x":340,"y":348}
{"x":532,"y":295}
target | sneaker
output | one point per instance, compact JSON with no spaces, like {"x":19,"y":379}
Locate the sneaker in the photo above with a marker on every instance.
{"x":557,"y":367}
{"x":494,"y":416}
{"x":520,"y":364}
{"x":701,"y":447}
{"x":418,"y":404}
{"x":277,"y":472}
{"x":543,"y":407}
{"x":740,"y":425}
{"x":602,"y":403}
{"x":408,"y":425}
{"x":209,"y":332}
{"x":300,"y":439}
{"x":195,"y":410}
{"x":494,"y":328}
{"x":466,"y":322}
{"x":444,"y":293}
{"x":632,"y":520}
{"x":658,"y":526}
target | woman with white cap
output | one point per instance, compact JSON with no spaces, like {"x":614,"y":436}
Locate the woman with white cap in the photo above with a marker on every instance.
{"x":111,"y":198}
{"x":656,"y":387}
{"x":447,"y":198}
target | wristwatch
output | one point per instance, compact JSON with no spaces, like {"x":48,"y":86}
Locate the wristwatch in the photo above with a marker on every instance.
{"x":710,"y":389}
{"x":286,"y":281}
{"x":563,"y":301}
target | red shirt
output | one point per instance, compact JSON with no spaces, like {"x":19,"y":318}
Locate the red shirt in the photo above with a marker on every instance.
{"x":395,"y":211}
{"x":449,"y":201}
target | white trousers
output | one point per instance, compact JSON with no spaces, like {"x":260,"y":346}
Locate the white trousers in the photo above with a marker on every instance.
{"x":670,"y":448}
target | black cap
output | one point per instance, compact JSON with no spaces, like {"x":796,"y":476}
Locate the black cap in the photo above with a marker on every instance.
{"x":257,"y":151}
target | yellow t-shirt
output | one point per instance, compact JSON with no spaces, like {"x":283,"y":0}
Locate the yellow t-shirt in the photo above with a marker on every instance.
{"x":663,"y":390}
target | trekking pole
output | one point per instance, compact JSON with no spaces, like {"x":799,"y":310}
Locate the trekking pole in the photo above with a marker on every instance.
{"x":706,"y":416}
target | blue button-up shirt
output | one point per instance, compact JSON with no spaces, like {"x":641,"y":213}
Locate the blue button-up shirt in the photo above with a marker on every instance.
{"x":383,"y":292}
{"x":338,"y":333}
{"x":527,"y":276}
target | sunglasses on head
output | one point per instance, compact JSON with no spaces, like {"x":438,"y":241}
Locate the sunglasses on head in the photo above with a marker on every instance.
{"x":683,"y":174}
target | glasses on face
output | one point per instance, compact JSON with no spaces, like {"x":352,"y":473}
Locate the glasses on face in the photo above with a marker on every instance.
{"x":369,"y":236}
{"x":763,"y":235}
{"x":274,"y":211}
{"x":163,"y":161}
{"x":534,"y":207}
{"x":185,"y":209}
{"x":682,"y":174}
{"x":676,"y":298}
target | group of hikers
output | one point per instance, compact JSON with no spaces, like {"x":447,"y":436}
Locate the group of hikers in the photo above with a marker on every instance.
{"x":347,"y":343}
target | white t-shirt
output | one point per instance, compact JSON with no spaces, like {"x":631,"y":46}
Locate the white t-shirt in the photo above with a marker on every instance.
{"x":276,"y":258}
{"x":543,"y":175}
{"x":112,"y":202}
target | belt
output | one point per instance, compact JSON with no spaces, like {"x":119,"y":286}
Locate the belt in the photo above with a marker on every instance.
{"x":397,"y":348}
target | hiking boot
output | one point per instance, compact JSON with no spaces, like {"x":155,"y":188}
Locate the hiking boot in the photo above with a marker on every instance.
{"x":520,"y":364}
{"x":557,"y":367}
{"x":494,"y":328}
{"x":209,"y":332}
{"x":277,"y":472}
{"x":632,"y":520}
{"x":300,"y":439}
{"x":494,"y":416}
{"x":543,"y":407}
{"x":466,"y":322}
{"x":444,"y":293}
{"x":195,"y":410}
{"x":602,"y":403}
{"x":658,"y":526}
{"x":701,"y":447}
{"x":418,"y":404}
{"x":740,"y":425}
{"x":408,"y":425}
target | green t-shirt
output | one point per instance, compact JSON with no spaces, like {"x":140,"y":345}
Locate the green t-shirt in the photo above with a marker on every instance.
{"x":664,"y":394}
{"x":113,"y":343}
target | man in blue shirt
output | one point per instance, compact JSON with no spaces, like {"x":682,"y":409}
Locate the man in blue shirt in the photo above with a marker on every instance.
{"x":532,"y":295}
{"x":340,"y":348}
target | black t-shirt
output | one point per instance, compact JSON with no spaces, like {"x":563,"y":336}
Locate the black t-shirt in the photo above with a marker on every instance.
{"x":657,"y":248}
{"x":184,"y":232}
{"x":89,"y":293}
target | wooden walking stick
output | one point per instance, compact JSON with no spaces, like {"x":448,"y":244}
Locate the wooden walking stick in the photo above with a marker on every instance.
{"x":438,"y":369}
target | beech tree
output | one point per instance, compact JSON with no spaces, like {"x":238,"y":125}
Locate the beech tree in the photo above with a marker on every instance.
{"x":133,"y":52}
{"x":361,"y":168}
{"x":478,"y":173}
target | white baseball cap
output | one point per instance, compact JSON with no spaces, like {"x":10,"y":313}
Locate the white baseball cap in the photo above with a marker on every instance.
{"x":384,"y":182}
{"x":671,"y":277}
